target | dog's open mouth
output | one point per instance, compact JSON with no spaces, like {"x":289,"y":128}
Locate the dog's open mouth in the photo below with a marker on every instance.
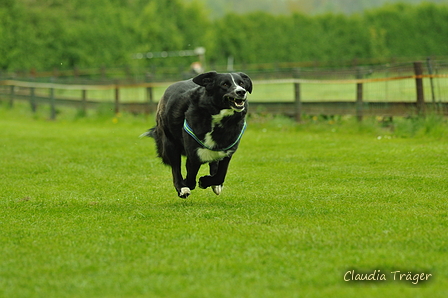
{"x":237,"y":103}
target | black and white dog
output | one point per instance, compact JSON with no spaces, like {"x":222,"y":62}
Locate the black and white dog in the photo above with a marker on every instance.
{"x":202,"y":118}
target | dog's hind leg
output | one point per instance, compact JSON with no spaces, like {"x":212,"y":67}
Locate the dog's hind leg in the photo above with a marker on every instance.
{"x":183,"y":191}
{"x":218,"y":171}
{"x":172,"y":157}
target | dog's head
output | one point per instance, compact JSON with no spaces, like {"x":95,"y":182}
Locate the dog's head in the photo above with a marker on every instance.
{"x":229,"y":90}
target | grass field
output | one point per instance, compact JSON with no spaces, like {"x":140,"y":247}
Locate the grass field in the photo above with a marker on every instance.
{"x":86,"y":210}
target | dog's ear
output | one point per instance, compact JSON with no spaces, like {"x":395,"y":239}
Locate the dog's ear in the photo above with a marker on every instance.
{"x":247,"y":82}
{"x":205,"y":79}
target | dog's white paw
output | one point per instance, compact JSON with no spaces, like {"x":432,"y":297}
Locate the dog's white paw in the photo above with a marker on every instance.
{"x":184,"y":192}
{"x":217,"y":189}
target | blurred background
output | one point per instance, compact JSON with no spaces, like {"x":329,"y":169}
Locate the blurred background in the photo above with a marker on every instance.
{"x":172,"y":39}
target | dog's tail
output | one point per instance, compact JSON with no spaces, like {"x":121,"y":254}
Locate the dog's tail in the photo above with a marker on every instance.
{"x":150,"y":133}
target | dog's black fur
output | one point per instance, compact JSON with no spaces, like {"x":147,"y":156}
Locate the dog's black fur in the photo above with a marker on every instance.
{"x":214,"y":105}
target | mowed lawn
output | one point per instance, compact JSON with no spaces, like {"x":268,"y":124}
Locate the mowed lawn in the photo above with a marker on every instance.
{"x":87,"y":210}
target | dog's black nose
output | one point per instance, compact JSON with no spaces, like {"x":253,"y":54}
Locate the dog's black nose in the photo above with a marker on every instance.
{"x":241,"y":93}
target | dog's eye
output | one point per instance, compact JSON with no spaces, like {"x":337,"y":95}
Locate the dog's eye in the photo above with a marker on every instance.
{"x":226,"y":85}
{"x":241,"y":84}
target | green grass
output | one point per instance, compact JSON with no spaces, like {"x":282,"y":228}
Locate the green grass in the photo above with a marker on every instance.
{"x":87,"y":210}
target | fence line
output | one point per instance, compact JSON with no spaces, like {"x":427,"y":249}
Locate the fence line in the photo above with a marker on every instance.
{"x":357,"y":107}
{"x":158,"y":84}
{"x":353,"y":81}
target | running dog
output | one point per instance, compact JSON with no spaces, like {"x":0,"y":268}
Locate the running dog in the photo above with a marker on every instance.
{"x":204,"y":119}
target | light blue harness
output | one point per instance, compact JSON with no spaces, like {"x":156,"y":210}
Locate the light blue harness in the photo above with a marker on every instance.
{"x":188,"y":129}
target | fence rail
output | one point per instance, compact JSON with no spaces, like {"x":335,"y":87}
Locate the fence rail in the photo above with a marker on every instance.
{"x":11,"y":90}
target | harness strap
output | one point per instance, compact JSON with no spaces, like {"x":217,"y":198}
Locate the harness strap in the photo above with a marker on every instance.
{"x":188,"y":129}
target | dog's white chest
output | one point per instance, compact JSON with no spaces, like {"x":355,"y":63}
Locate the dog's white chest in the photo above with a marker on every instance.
{"x":207,"y":155}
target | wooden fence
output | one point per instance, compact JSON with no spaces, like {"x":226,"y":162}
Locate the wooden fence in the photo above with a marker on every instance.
{"x":11,"y":90}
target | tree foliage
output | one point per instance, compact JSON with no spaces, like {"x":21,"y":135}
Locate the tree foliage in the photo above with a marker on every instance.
{"x":47,"y":34}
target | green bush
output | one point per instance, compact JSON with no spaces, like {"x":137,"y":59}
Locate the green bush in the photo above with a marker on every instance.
{"x":44,"y":35}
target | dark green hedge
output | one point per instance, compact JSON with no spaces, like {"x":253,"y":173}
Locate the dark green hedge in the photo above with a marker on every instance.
{"x":62,"y":34}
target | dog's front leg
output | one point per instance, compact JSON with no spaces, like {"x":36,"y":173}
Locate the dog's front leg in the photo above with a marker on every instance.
{"x":218,"y":171}
{"x":217,"y":189}
{"x":192,"y":172}
{"x":213,"y":167}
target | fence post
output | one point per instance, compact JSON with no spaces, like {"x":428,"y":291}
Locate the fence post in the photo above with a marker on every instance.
{"x":359,"y":96}
{"x":52,"y":105}
{"x":11,"y":96}
{"x":117,"y":99}
{"x":33,"y":100}
{"x":84,"y":102}
{"x":431,"y":81}
{"x":149,"y":92}
{"x":418,"y":70}
{"x":297,"y":97}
